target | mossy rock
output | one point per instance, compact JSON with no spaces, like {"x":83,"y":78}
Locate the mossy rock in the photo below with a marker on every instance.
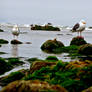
{"x":15,"y":61}
{"x":85,"y":49}
{"x":2,"y":41}
{"x":30,"y":60}
{"x":9,"y":64}
{"x":4,"y":66}
{"x":78,"y":41}
{"x":47,"y":27}
{"x":1,"y":30}
{"x":51,"y":45}
{"x":52,"y":58}
{"x":39,"y":64}
{"x":16,"y":42}
{"x":11,"y":77}
{"x":32,"y":86}
{"x":88,"y":90}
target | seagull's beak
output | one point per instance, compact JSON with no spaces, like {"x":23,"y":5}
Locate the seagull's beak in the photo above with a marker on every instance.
{"x":84,"y":22}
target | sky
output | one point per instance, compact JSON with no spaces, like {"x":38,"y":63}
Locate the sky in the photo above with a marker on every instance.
{"x":57,"y":12}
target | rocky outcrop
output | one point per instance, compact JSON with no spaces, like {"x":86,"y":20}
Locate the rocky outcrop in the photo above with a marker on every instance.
{"x":47,"y":27}
{"x":78,"y":41}
{"x":51,"y":45}
{"x":32,"y":86}
{"x":39,"y":64}
{"x":85,"y":49}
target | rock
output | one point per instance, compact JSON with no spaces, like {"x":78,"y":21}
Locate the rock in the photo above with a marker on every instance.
{"x":47,"y":27}
{"x":32,"y":86}
{"x":39,"y":64}
{"x":52,"y":58}
{"x":15,"y":61}
{"x":88,"y":90}
{"x":85,"y":49}
{"x":9,"y":64}
{"x":51,"y":45}
{"x":16,"y":42}
{"x":1,"y":30}
{"x":28,"y":43}
{"x":4,"y":66}
{"x":78,"y":41}
{"x":11,"y":77}
{"x":60,"y":34}
{"x":2,"y":41}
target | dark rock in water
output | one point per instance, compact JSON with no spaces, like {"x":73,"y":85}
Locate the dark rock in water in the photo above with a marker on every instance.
{"x":16,"y":42}
{"x":60,"y":34}
{"x":32,"y":86}
{"x":1,"y":30}
{"x":2,"y":41}
{"x":90,"y":27}
{"x":28,"y":43}
{"x":51,"y":58}
{"x":78,"y":41}
{"x":3,"y":53}
{"x":85,"y":49}
{"x":47,"y":27}
{"x":68,"y":34}
{"x":51,"y":45}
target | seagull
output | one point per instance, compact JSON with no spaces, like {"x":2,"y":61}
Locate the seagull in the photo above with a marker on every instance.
{"x":79,"y":27}
{"x":15,"y":31}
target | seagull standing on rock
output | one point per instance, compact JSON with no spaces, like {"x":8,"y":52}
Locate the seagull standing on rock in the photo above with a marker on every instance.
{"x":15,"y":31}
{"x":79,"y":27}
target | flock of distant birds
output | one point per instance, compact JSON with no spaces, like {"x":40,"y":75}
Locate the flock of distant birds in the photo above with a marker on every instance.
{"x":78,"y":27}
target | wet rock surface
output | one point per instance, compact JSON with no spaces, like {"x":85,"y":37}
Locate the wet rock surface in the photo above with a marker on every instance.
{"x":16,"y":42}
{"x":78,"y":41}
{"x":85,"y":49}
{"x":51,"y":45}
{"x":2,"y":41}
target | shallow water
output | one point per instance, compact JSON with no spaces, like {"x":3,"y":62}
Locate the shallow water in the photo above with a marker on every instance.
{"x":37,"y":38}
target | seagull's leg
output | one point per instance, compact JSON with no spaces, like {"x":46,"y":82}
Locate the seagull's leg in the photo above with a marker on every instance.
{"x":14,"y":36}
{"x":17,"y":37}
{"x":78,"y":33}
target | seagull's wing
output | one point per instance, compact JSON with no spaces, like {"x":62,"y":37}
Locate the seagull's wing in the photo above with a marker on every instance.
{"x":76,"y":26}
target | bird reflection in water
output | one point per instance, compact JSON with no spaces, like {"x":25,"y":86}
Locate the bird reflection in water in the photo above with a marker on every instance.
{"x":15,"y":50}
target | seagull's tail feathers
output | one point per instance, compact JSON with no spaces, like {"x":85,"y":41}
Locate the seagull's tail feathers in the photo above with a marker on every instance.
{"x":73,"y":30}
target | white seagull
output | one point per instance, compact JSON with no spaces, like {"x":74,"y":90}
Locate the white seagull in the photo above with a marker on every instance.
{"x":79,"y":27}
{"x":15,"y":31}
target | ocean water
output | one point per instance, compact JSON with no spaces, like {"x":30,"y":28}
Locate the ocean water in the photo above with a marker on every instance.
{"x":37,"y":38}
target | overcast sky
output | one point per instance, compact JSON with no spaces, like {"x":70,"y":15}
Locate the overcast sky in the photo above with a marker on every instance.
{"x":58,"y":12}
